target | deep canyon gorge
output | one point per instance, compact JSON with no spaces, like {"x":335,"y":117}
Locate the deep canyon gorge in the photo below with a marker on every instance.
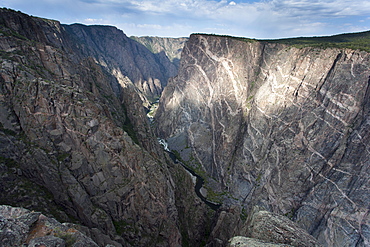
{"x":278,"y":134}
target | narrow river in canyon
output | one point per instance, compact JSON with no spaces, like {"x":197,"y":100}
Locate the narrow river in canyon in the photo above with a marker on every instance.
{"x":199,"y":180}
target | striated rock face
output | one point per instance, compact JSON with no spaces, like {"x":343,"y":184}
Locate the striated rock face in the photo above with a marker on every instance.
{"x":79,"y":136}
{"x":279,"y":127}
{"x":172,"y":47}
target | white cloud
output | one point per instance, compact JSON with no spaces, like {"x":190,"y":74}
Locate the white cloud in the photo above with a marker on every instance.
{"x":259,"y":19}
{"x":93,"y":21}
{"x":171,"y":30}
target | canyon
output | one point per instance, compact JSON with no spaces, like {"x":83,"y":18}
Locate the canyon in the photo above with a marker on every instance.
{"x":277,"y":132}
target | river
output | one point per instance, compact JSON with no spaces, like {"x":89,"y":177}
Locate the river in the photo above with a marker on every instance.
{"x":199,"y":180}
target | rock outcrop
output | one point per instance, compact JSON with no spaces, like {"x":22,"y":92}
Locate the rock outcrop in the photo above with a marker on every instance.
{"x":78,"y":134}
{"x":274,"y":228}
{"x":19,"y":227}
{"x":276,"y":126}
{"x":240,"y":241}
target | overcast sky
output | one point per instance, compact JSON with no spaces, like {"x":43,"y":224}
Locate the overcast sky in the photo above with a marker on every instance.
{"x":179,"y":18}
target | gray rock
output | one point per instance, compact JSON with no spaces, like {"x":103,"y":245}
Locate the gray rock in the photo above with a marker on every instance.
{"x":274,"y":228}
{"x":49,"y":241}
{"x":239,"y":241}
{"x":265,"y":124}
{"x":12,"y":232}
{"x":19,"y":226}
{"x":30,"y":218}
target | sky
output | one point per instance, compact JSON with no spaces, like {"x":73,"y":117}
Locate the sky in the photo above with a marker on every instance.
{"x":260,"y":19}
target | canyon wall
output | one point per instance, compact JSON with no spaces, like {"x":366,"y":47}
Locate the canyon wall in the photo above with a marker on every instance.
{"x":278,"y":133}
{"x":76,"y":143}
{"x":278,"y":127}
{"x":124,"y":57}
{"x":172,"y":47}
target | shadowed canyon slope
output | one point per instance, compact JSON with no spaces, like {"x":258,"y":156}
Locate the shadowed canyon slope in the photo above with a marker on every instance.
{"x":124,"y":57}
{"x":172,"y":47}
{"x":276,"y":126}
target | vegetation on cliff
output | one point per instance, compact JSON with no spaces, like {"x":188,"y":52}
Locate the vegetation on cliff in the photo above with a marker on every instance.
{"x":354,"y":41}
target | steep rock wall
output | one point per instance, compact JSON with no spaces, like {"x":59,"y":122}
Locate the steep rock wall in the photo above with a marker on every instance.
{"x":66,"y":131}
{"x":172,"y":47}
{"x":276,"y":126}
{"x":122,"y":56}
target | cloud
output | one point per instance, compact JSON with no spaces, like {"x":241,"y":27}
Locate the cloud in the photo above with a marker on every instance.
{"x":170,"y":30}
{"x":93,"y":21}
{"x":256,"y":19}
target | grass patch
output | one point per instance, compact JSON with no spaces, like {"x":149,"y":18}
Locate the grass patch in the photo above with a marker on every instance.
{"x":7,"y":131}
{"x":128,"y":127}
{"x":355,"y":41}
{"x":9,"y":162}
{"x":62,"y":156}
{"x":243,"y":215}
{"x":11,"y":33}
{"x":123,"y":226}
{"x":69,"y":238}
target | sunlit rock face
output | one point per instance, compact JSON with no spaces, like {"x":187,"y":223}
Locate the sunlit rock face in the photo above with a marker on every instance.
{"x":279,"y":127}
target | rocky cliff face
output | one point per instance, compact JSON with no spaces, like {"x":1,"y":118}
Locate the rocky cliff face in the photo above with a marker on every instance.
{"x":77,"y":133}
{"x":172,"y":47}
{"x":124,"y":57}
{"x":276,"y":126}
{"x":20,"y":226}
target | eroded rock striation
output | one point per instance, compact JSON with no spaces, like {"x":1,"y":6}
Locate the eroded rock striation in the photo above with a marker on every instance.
{"x":276,"y":126}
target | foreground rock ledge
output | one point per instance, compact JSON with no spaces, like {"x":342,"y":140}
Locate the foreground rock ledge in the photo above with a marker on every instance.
{"x":240,"y":241}
{"x":271,"y":228}
{"x":21,"y":227}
